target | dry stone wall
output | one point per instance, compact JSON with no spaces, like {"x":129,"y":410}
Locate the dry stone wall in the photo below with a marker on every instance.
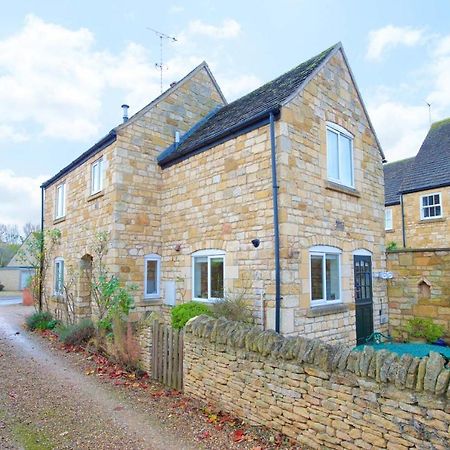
{"x":324,"y":396}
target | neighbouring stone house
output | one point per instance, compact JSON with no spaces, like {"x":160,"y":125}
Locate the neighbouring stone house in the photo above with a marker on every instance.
{"x":15,"y":276}
{"x":277,"y":195}
{"x":417,"y":194}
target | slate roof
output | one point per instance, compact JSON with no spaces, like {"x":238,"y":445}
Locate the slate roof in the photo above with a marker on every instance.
{"x":393,"y":177}
{"x":245,"y":110}
{"x":431,"y":166}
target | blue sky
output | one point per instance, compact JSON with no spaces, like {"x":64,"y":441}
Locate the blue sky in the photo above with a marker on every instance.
{"x":66,"y":67}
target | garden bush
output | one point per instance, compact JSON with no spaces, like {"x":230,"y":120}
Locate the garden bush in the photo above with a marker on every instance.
{"x":186,"y":311}
{"x":77,"y":334}
{"x":424,"y":328}
{"x":233,"y":307}
{"x":41,"y":321}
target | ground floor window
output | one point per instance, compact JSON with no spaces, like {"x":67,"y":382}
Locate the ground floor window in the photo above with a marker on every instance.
{"x":59,"y":276}
{"x":152,"y":276}
{"x":325,"y":263}
{"x":208,"y":274}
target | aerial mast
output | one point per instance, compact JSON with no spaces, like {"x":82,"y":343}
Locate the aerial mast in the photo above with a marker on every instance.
{"x":160,"y":64}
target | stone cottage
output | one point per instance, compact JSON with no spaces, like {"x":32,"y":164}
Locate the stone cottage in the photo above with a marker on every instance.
{"x":277,"y":195}
{"x":417,"y":194}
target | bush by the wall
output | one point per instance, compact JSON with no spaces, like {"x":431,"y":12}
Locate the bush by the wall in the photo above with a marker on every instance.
{"x":186,"y":311}
{"x":40,"y":321}
{"x":77,"y":334}
{"x":425,"y":328}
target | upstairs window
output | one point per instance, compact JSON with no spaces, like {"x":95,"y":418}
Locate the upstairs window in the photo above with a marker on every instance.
{"x":388,"y":219}
{"x":208,"y":275}
{"x":325,"y":263}
{"x":60,"y":201}
{"x":59,"y":276}
{"x":152,"y":276}
{"x":339,"y":155}
{"x":97,"y":176}
{"x":430,"y":206}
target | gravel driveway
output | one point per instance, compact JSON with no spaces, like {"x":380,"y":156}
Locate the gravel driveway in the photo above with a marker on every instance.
{"x":48,"y":402}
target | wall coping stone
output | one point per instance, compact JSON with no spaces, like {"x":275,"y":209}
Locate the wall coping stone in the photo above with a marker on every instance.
{"x":429,"y":375}
{"x":418,"y":250}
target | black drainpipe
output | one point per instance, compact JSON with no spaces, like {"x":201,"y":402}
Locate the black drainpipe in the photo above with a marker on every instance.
{"x":275,"y":225}
{"x":403,"y":221}
{"x":41,"y":259}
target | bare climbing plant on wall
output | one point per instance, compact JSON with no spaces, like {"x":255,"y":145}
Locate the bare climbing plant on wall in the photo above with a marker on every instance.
{"x":38,"y":252}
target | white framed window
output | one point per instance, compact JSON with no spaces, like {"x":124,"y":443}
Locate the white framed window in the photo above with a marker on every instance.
{"x":152,"y":280}
{"x":325,"y":275}
{"x":339,"y":155}
{"x":60,"y":201}
{"x":59,"y":276}
{"x":208,"y":274}
{"x":388,"y":224}
{"x":430,"y":206}
{"x":97,"y":174}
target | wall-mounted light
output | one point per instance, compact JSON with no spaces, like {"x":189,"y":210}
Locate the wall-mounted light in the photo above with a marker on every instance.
{"x":256,"y":243}
{"x":178,"y":247}
{"x":384,"y":275}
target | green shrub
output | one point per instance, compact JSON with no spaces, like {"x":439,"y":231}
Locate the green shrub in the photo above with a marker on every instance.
{"x":233,"y":307}
{"x":186,"y":311}
{"x":77,"y":334}
{"x":41,"y":321}
{"x":391,"y":246}
{"x":424,"y":328}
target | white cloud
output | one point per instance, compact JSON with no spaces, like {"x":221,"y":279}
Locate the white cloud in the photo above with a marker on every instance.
{"x":20,"y":198}
{"x":9,"y":133}
{"x":228,"y":30}
{"x":390,"y":37}
{"x":235,"y":86}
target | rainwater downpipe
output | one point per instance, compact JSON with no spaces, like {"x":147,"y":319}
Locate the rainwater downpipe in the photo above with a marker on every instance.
{"x":41,"y":259}
{"x":275,"y":224}
{"x":403,"y":221}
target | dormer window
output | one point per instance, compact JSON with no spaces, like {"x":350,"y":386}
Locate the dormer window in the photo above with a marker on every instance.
{"x":97,"y":176}
{"x":339,"y":155}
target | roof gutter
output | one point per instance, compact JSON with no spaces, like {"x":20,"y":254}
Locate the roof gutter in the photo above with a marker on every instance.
{"x":251,"y":124}
{"x":100,"y":145}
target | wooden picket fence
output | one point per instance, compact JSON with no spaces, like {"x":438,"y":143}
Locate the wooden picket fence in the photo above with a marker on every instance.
{"x":167,"y":355}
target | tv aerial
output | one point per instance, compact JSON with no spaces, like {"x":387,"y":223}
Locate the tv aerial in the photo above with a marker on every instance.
{"x":160,"y":64}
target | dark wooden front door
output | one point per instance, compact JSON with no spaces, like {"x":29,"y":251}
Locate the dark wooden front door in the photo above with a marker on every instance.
{"x":363,"y":297}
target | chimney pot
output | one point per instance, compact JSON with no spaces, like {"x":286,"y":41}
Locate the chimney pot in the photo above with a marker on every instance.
{"x":125,"y":113}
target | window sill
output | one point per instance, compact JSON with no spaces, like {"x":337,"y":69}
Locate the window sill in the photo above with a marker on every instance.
{"x":59,"y":220}
{"x":389,"y":231}
{"x":95,"y":196}
{"x":432,"y":220}
{"x":332,"y":186}
{"x":153,"y":298}
{"x":325,"y":310}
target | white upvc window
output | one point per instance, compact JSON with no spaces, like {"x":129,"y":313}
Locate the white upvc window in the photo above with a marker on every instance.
{"x":388,"y":224}
{"x":325,"y":275}
{"x":97,"y":174}
{"x":339,"y":155}
{"x":59,"y":276}
{"x":60,"y":201}
{"x":208,"y":274}
{"x":431,"y":206}
{"x":152,"y":273}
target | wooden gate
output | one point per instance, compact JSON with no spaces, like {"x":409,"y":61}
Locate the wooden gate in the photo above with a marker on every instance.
{"x":167,"y":355}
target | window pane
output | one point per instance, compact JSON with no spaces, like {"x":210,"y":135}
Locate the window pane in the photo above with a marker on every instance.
{"x":332,"y":274}
{"x":152,"y":277}
{"x":345,"y":161}
{"x":316,"y":277}
{"x":426,"y":212}
{"x":216,"y":277}
{"x":438,"y":210}
{"x":425,"y":201}
{"x":333,"y":155}
{"x":201,"y":277}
